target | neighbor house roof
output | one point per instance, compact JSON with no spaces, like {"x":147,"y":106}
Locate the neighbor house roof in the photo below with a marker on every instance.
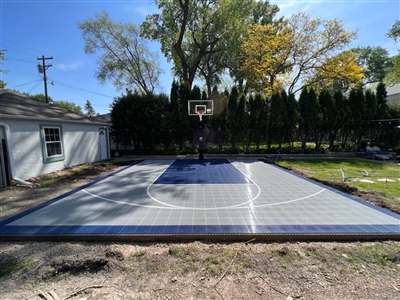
{"x":393,"y":93}
{"x":105,"y":118}
{"x":18,"y":106}
{"x":393,"y":89}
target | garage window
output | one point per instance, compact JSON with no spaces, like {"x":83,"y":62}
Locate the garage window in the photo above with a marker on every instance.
{"x":52,"y":143}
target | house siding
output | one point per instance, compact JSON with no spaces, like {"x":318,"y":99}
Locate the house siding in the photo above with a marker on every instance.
{"x":393,"y":93}
{"x":80,"y":141}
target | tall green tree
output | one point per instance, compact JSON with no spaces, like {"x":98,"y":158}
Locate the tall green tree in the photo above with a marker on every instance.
{"x":133,"y":117}
{"x":341,"y":126}
{"x":357,"y":114}
{"x":184,"y":30}
{"x":370,"y":105}
{"x":304,"y":127}
{"x":393,"y":70}
{"x":231,"y":121}
{"x":242,"y":121}
{"x":314,"y":118}
{"x":202,"y":35}
{"x":308,"y":116}
{"x":327,"y":116}
{"x":257,"y":119}
{"x":2,"y":57}
{"x":218,"y":122}
{"x":125,"y":59}
{"x":382,"y":109}
{"x":122,"y":120}
{"x":291,"y":118}
{"x":276,"y":119}
{"x":370,"y":113}
{"x":374,"y":61}
{"x":186,"y":123}
{"x":89,"y":108}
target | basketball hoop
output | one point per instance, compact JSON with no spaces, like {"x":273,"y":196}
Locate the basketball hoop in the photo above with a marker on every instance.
{"x":201,"y":108}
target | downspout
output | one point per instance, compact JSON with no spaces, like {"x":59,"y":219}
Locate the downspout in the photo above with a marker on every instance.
{"x":10,"y":158}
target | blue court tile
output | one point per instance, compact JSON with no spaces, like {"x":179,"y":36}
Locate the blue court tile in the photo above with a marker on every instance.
{"x":114,"y":229}
{"x":171,"y":229}
{"x":207,"y":171}
{"x":197,"y":229}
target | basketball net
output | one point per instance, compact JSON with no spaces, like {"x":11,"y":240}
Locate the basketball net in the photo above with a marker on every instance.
{"x":200,"y":113}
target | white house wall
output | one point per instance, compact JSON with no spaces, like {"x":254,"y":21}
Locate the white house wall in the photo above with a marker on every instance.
{"x":81,"y":145}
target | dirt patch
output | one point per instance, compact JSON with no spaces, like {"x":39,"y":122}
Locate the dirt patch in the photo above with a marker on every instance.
{"x":197,"y":270}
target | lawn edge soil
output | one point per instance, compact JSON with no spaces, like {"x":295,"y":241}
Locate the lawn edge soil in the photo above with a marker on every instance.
{"x":185,"y":270}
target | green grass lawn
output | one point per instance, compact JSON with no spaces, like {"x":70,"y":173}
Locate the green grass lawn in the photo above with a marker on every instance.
{"x":384,"y":177}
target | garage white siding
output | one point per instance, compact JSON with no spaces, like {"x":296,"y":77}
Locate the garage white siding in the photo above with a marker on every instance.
{"x":81,"y":144}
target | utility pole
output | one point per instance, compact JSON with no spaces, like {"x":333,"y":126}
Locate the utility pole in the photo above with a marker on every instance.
{"x":42,"y":69}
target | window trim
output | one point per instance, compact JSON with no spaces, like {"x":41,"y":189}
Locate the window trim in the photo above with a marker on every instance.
{"x":53,"y":158}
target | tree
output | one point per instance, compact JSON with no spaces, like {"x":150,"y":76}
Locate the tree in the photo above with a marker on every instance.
{"x":218,"y":122}
{"x":341,"y":70}
{"x":40,"y":97}
{"x":328,"y":116}
{"x":394,"y":31}
{"x":313,"y":41}
{"x":241,"y":120}
{"x":265,"y":55}
{"x":291,"y":118}
{"x":125,"y":57}
{"x":257,"y":119}
{"x":308,"y":116}
{"x":341,"y":125}
{"x":184,"y":39}
{"x":393,"y":70}
{"x":370,"y":105}
{"x":393,"y":65}
{"x":374,"y":61}
{"x":133,"y":117}
{"x":201,"y":35}
{"x":89,"y":108}
{"x":2,"y":55}
{"x":231,"y":121}
{"x":69,"y":106}
{"x":59,"y":103}
{"x":357,"y":108}
{"x":276,"y":118}
{"x":382,"y":109}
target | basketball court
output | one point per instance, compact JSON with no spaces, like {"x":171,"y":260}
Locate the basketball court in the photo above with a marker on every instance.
{"x":212,"y":199}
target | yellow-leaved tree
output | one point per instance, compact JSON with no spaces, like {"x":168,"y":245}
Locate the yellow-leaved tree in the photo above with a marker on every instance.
{"x":341,"y":70}
{"x":265,"y":54}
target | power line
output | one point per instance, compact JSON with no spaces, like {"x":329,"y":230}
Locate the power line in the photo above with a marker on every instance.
{"x":21,"y":60}
{"x":15,"y":86}
{"x":35,"y":86}
{"x":84,"y":90}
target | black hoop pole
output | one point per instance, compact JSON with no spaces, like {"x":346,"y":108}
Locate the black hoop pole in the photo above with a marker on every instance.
{"x":201,"y":139}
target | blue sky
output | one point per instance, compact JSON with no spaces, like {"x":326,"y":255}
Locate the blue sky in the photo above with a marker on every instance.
{"x":30,"y":29}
